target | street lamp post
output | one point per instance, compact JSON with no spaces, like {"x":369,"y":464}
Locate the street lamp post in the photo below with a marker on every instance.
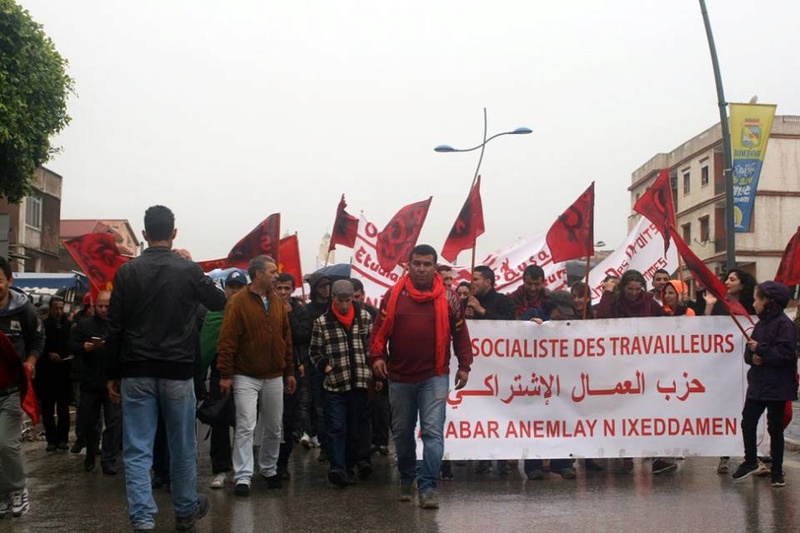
{"x":730,"y":225}
{"x":444,"y":148}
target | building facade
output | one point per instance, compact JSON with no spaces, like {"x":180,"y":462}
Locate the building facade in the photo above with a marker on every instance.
{"x":33,"y":225}
{"x":698,"y":190}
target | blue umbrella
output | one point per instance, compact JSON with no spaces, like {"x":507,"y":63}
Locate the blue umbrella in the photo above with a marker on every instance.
{"x":337,"y":271}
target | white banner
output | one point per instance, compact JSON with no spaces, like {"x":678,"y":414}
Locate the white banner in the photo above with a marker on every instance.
{"x":510,"y":263}
{"x":600,"y":388}
{"x":642,"y":250}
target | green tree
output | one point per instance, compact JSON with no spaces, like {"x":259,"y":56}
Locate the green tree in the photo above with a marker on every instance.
{"x":34,"y":87}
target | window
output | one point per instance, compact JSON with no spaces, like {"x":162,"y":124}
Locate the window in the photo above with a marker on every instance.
{"x":33,"y":212}
{"x":686,"y":182}
{"x":704,"y":176}
{"x":705,"y":229}
{"x":687,"y":232}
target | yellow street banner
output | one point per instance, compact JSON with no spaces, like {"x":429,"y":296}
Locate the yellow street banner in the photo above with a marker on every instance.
{"x":750,"y":126}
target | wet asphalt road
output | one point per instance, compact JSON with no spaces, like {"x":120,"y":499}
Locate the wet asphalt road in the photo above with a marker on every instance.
{"x":694,"y":499}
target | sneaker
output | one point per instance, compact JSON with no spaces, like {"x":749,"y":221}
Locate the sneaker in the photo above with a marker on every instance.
{"x":778,"y":481}
{"x":314,"y":441}
{"x":186,"y":523}
{"x":273,"y":481}
{"x":19,"y":502}
{"x":284,"y":474}
{"x":305,"y":441}
{"x":51,"y":448}
{"x":662,"y":465}
{"x":446,"y":471}
{"x":483,"y":467}
{"x":364,"y":469}
{"x":627,"y":466}
{"x":763,"y":470}
{"x":77,"y":447}
{"x":338,"y":478}
{"x":241,"y":489}
{"x":534,"y":475}
{"x":592,"y":465}
{"x":568,"y":473}
{"x":406,"y":492}
{"x":744,"y":471}
{"x":218,"y":482}
{"x":5,"y":507}
{"x":428,"y":499}
{"x":724,"y":465}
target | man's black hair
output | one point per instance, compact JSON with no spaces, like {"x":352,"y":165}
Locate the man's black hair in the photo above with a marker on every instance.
{"x":486,"y":272}
{"x":159,"y":223}
{"x":424,"y":249}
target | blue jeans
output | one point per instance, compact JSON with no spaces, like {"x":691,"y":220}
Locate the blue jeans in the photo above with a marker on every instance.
{"x":428,"y":399}
{"x":142,"y":399}
{"x":345,"y":415}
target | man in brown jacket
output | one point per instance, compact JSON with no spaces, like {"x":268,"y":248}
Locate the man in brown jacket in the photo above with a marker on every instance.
{"x":254,"y":354}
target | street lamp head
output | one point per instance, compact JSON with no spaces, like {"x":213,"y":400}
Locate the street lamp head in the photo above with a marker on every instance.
{"x":444,"y":148}
{"x":521,"y":131}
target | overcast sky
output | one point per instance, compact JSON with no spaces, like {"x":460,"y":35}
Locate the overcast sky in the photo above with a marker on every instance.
{"x":229,"y":111}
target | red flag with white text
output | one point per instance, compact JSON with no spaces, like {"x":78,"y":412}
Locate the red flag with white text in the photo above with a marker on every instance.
{"x":264,"y":239}
{"x":572,"y":235}
{"x":657,"y":206}
{"x":345,"y":227}
{"x":400,"y":235}
{"x":290,"y":258}
{"x":467,"y":227}
{"x":789,"y":270}
{"x":98,"y":257}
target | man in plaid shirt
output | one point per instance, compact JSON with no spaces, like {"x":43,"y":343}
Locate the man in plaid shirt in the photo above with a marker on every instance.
{"x":339,"y":350}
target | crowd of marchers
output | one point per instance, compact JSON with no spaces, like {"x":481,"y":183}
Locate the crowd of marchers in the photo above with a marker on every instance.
{"x":332,"y":372}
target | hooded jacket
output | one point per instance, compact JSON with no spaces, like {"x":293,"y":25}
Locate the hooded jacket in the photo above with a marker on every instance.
{"x":776,"y":378}
{"x":19,"y":321}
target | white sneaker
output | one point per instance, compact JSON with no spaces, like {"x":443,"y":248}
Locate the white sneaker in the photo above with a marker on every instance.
{"x":763,"y":470}
{"x":5,"y":506}
{"x":305,"y":440}
{"x":314,"y":442}
{"x":219,"y":481}
{"x":19,"y":502}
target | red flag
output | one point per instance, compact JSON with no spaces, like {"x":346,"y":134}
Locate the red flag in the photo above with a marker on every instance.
{"x":264,"y":239}
{"x":572,"y":235}
{"x":98,"y":257}
{"x":213,"y":264}
{"x":657,"y":206}
{"x":290,"y":258}
{"x":789,"y":270}
{"x":400,"y":235}
{"x":711,"y":282}
{"x":345,"y":227}
{"x":15,"y":370}
{"x":467,"y":227}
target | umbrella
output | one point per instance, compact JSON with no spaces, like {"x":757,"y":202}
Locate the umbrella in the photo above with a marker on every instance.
{"x":337,"y":271}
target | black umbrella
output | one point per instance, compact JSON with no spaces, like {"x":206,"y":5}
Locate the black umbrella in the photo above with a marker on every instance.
{"x":337,"y":271}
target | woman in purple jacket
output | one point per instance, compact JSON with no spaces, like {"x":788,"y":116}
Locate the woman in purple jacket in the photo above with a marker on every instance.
{"x":772,"y":378}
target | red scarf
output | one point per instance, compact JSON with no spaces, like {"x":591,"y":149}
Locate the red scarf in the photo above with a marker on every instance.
{"x":441,"y":316}
{"x":347,"y":318}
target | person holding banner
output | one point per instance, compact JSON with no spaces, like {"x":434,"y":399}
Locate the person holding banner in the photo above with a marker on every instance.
{"x":630,"y":300}
{"x":671,"y":299}
{"x":771,"y":380}
{"x":531,"y":295}
{"x":417,"y":323}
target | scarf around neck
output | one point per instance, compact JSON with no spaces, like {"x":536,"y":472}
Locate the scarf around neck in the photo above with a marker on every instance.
{"x":441,"y":316}
{"x":346,"y":319}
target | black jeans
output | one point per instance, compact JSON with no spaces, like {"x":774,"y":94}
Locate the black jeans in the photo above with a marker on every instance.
{"x":220,"y":450}
{"x":93,"y":402}
{"x":54,"y":396}
{"x":345,"y":415}
{"x":750,"y":414}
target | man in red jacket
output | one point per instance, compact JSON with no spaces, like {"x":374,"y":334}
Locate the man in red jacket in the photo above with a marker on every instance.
{"x":418,"y":320}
